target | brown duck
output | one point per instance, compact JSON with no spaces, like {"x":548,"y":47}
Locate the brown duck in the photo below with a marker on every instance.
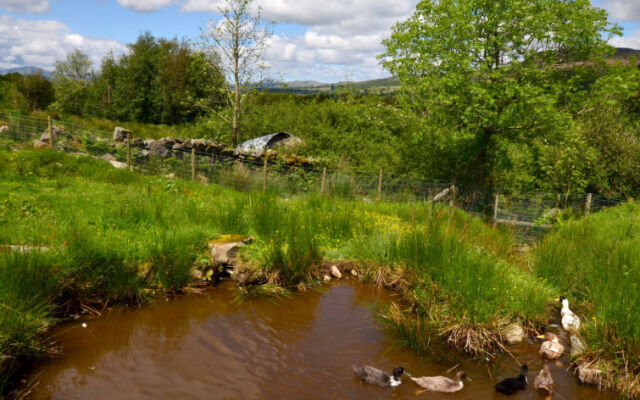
{"x":441,"y":383}
{"x":551,"y":348}
{"x":544,"y":382}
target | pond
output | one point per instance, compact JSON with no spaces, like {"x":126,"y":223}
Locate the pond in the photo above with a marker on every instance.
{"x":302,"y":347}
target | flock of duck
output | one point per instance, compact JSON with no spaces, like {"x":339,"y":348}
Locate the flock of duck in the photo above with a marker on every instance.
{"x":551,"y":349}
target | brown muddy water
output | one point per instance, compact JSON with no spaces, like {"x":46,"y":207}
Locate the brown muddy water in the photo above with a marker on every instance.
{"x":301,"y":347}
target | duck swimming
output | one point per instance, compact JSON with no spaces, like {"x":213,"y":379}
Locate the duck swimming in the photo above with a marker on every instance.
{"x":551,"y":349}
{"x":570,"y":321}
{"x":512,"y":385}
{"x":374,"y":376}
{"x":544,"y":382}
{"x":441,"y":383}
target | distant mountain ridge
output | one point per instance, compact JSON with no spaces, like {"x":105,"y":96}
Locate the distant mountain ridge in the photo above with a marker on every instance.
{"x":26,"y":71}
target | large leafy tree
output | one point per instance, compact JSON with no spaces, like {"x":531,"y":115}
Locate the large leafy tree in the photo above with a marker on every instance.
{"x":494,"y":72}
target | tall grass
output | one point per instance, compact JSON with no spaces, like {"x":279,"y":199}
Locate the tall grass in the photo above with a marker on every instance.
{"x":595,"y":262}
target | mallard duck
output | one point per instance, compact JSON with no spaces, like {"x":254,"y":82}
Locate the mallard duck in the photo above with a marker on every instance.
{"x":544,"y":382}
{"x":441,"y":383}
{"x":512,"y":385}
{"x":570,"y":321}
{"x":551,"y":349}
{"x":374,"y":376}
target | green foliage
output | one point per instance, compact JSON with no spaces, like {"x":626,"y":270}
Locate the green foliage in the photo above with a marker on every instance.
{"x":491,"y":80}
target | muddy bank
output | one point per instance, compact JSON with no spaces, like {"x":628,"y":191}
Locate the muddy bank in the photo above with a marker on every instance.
{"x":295,"y":348}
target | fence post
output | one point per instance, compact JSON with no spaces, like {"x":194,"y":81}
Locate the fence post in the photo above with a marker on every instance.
{"x":587,"y":207}
{"x":495,"y":209}
{"x":128,"y":149}
{"x":50,"y":132}
{"x":324,"y":179}
{"x":264,"y":177}
{"x":379,"y":196}
{"x":193,"y":163}
{"x":452,"y":197}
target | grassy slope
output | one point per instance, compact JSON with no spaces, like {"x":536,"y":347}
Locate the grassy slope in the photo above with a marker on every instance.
{"x":114,"y":236}
{"x":596,"y":261}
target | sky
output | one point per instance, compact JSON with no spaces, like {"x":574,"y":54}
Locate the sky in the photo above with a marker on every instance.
{"x":324,"y":40}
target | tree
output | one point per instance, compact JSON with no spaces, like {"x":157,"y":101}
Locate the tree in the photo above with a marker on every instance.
{"x":493,"y":72}
{"x":238,"y":42}
{"x":72,"y":78}
{"x":36,"y":91}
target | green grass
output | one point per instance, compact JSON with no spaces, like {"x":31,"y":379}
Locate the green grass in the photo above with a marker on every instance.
{"x":595,"y":262}
{"x":115,"y":237}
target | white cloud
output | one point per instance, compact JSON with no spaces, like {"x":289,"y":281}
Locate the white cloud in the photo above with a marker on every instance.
{"x":145,"y":5}
{"x":342,"y":38}
{"x":632,"y":42}
{"x":40,"y":43}
{"x":25,"y":6}
{"x":625,"y":10}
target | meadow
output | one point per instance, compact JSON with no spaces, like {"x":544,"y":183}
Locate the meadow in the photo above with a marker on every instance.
{"x":113,"y":237}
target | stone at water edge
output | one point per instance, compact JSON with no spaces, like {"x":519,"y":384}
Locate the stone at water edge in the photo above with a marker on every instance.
{"x":326,"y":278}
{"x":513,"y":334}
{"x":336,"y":272}
{"x":590,"y":376}
{"x":354,"y":272}
{"x":577,"y":347}
{"x":223,"y":253}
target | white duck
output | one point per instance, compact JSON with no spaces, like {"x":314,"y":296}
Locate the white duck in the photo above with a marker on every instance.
{"x":570,"y":321}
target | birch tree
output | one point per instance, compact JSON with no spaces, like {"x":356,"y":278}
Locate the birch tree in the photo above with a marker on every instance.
{"x":238,"y":40}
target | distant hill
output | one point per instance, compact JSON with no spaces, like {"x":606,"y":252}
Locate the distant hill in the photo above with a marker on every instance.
{"x":26,"y":71}
{"x":381,"y":86}
{"x":623,"y":52}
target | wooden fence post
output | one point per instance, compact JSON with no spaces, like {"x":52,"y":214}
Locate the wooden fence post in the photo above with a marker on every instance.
{"x":128,"y":149}
{"x":324,"y":180}
{"x":50,"y":132}
{"x":264,"y":177}
{"x":193,"y":163}
{"x":379,"y":196}
{"x":587,"y":206}
{"x":453,"y":191}
{"x":495,"y":208}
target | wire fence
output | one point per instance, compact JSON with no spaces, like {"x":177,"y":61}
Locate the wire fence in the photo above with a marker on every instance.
{"x":530,"y":214}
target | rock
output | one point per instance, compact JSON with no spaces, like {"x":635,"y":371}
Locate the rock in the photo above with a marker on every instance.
{"x":44,"y":137}
{"x":354,"y":272}
{"x":577,"y":346}
{"x":4,"y":130}
{"x":118,"y":164}
{"x":225,"y":249}
{"x":120,"y":134}
{"x":513,"y":334}
{"x":326,"y":278}
{"x":108,"y":157}
{"x":336,"y":272}
{"x":589,"y":376}
{"x":138,"y":143}
{"x":199,"y":144}
{"x":39,"y":144}
{"x":203,"y":179}
{"x":156,"y":148}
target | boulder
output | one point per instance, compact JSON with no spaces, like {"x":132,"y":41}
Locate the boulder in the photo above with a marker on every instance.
{"x":354,"y":272}
{"x":336,"y":272}
{"x":4,"y":129}
{"x":225,"y":249}
{"x":156,"y":148}
{"x":588,"y":375}
{"x":138,"y":143}
{"x":39,"y":144}
{"x":44,"y":137}
{"x":118,"y":164}
{"x":108,"y":157}
{"x":120,"y":134}
{"x":200,"y":144}
{"x":513,"y":334}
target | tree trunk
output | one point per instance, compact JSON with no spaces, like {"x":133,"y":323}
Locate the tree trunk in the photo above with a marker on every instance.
{"x":236,"y":115}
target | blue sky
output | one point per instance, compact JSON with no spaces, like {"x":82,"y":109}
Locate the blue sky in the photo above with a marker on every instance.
{"x":326,"y":40}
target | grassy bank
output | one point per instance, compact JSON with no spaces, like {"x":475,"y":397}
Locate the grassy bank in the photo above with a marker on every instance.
{"x":113,"y":236}
{"x":596,"y":261}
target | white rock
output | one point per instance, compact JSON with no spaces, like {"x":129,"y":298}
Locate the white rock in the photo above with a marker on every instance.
{"x":513,"y":334}
{"x":336,"y":272}
{"x":326,"y":278}
{"x":591,"y":376}
{"x":354,"y":272}
{"x":577,"y":347}
{"x":118,"y":164}
{"x":84,"y":324}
